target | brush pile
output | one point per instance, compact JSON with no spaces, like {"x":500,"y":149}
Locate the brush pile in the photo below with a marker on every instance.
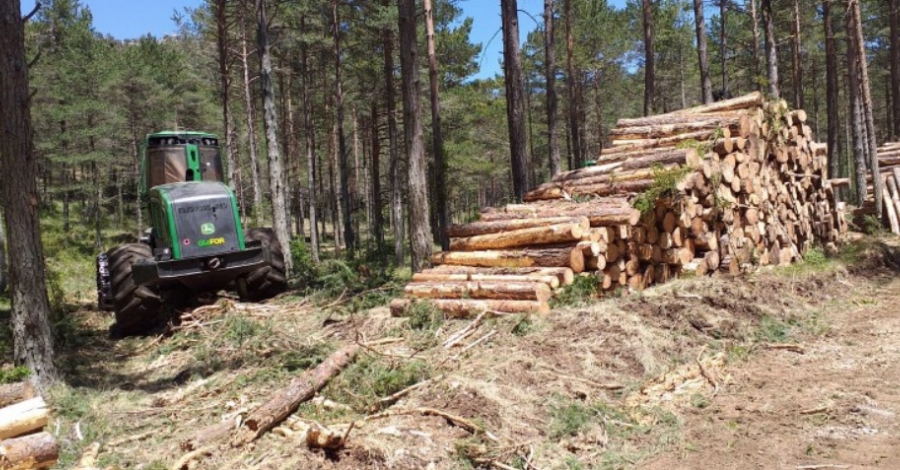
{"x":723,"y":187}
{"x":23,"y":444}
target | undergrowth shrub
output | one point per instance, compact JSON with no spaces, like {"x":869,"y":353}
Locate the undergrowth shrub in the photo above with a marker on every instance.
{"x":370,"y":378}
{"x":584,"y":288}
{"x":664,"y":181}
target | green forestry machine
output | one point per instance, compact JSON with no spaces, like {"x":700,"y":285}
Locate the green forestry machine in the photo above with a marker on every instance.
{"x":196,"y":243}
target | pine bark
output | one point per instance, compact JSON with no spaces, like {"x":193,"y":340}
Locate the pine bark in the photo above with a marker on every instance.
{"x":397,"y":222}
{"x":440,"y":165}
{"x":894,"y":19}
{"x":550,"y":76}
{"x":33,"y":343}
{"x":573,"y":98}
{"x":270,"y":121}
{"x":867,"y":105}
{"x":649,"y":57}
{"x":419,"y":223}
{"x":796,"y":64}
{"x":224,"y":87}
{"x":33,"y":452}
{"x":832,"y":94}
{"x":251,"y":129}
{"x":723,"y":43}
{"x":343,"y":166}
{"x":754,"y":20}
{"x":856,"y":120}
{"x":515,"y":97}
{"x":771,"y":48}
{"x":703,"y":57}
{"x":310,"y":140}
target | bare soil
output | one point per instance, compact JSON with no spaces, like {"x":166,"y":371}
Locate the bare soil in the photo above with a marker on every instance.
{"x":779,"y":369}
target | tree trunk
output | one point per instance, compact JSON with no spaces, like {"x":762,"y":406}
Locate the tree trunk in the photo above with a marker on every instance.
{"x":771,"y":48}
{"x":895,"y":67}
{"x":32,"y":452}
{"x":310,"y":137}
{"x":419,"y":225}
{"x":796,"y":65}
{"x":440,"y":165}
{"x":831,"y":91}
{"x":754,"y":19}
{"x":276,"y":179}
{"x":251,"y":129}
{"x":395,"y":169}
{"x":377,"y":217}
{"x":858,"y":127}
{"x":343,"y":167}
{"x":33,"y":343}
{"x":224,"y":86}
{"x":550,"y":75}
{"x":723,"y":40}
{"x":515,"y":97}
{"x":703,"y":57}
{"x":867,"y":105}
{"x":573,"y":98}
{"x":649,"y":57}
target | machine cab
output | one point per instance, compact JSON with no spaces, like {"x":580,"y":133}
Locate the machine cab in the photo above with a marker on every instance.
{"x":176,"y":157}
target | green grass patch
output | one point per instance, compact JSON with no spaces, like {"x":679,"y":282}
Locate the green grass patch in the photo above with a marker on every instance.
{"x":583,"y":289}
{"x":370,"y":378}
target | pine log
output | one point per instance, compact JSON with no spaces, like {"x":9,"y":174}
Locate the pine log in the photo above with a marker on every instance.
{"x":595,"y":263}
{"x":552,"y":281}
{"x":601,"y":189}
{"x":23,"y":417}
{"x":33,"y":452}
{"x":522,"y":237}
{"x":287,"y":400}
{"x":629,"y":145}
{"x":565,"y":275}
{"x":675,"y":118}
{"x":606,"y":178}
{"x":479,"y":290}
{"x":485,"y":227}
{"x":563,"y":256}
{"x":894,"y":193}
{"x":15,"y":392}
{"x":466,"y":308}
{"x":740,"y":126}
{"x":891,"y":213}
{"x":598,"y":216}
{"x":590,"y":248}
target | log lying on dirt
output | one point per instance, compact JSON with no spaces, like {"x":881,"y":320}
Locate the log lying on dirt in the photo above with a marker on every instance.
{"x":15,"y":392}
{"x":506,"y":290}
{"x":467,"y":308}
{"x":35,"y":451}
{"x":24,"y":417}
{"x":564,"y":275}
{"x":287,"y":401}
{"x":271,"y":413}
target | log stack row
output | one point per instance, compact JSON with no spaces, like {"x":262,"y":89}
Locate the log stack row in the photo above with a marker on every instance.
{"x":889,"y":167}
{"x":720,"y":187}
{"x":23,"y":443}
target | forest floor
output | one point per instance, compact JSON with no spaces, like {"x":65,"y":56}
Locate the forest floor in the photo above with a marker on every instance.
{"x":786,"y":368}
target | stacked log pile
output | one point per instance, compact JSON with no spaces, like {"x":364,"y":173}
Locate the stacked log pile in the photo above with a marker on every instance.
{"x":720,"y":188}
{"x":889,"y":168}
{"x":23,"y":444}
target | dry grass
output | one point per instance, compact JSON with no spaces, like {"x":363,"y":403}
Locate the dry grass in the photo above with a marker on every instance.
{"x":605,"y":394}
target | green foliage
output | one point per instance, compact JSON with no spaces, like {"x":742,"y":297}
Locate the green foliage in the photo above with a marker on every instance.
{"x":663,"y":187}
{"x":15,"y":374}
{"x":423,"y":316}
{"x":871,"y":225}
{"x":370,"y":378}
{"x":569,"y":418}
{"x":815,"y":257}
{"x":524,"y":326}
{"x":773,"y":330}
{"x":306,"y":356}
{"x":583,"y":289}
{"x":304,"y":268}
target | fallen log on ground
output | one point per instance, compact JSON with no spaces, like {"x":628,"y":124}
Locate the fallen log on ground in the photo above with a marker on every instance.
{"x":24,"y":417}
{"x":15,"y":392}
{"x":479,"y":290}
{"x":469,"y":308}
{"x":33,"y":452}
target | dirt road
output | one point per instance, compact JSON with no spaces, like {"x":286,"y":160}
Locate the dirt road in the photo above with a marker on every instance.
{"x":835,"y":405}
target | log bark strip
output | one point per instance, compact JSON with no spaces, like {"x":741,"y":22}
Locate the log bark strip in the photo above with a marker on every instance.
{"x":547,"y":235}
{"x":468,"y":308}
{"x":22,"y":418}
{"x":287,"y":401}
{"x":16,"y":392}
{"x":566,"y":256}
{"x":486,"y":227}
{"x":32,"y":452}
{"x":479,"y":290}
{"x":429,"y":276}
{"x":565,"y":275}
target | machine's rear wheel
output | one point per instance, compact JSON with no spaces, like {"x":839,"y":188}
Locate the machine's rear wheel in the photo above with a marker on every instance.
{"x":137,"y":308}
{"x":268,"y":281}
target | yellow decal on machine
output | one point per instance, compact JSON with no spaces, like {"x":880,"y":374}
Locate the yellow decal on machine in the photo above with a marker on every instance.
{"x":211,"y":242}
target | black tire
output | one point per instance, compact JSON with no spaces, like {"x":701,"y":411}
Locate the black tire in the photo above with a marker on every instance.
{"x":137,"y":308}
{"x":268,"y":281}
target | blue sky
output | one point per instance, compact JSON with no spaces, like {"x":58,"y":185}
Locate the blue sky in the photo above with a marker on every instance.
{"x":124,"y":19}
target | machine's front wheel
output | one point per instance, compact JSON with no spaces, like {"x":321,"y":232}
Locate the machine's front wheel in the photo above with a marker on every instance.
{"x":267,"y":281}
{"x":137,"y":307}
